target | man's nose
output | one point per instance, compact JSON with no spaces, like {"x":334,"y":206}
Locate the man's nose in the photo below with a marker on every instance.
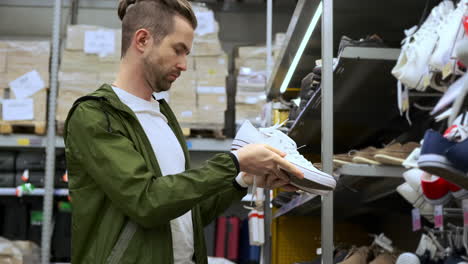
{"x":182,"y":65}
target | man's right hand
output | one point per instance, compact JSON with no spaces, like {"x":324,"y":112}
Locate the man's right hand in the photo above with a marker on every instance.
{"x":264,"y":160}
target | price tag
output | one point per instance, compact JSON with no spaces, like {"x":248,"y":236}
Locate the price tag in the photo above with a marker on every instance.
{"x":416,"y":216}
{"x":403,"y":98}
{"x":447,"y":70}
{"x":465,"y":212}
{"x":101,"y":42}
{"x":27,"y":85}
{"x":438,"y":216}
{"x":427,"y":80}
{"x":18,"y":109}
{"x":23,"y":142}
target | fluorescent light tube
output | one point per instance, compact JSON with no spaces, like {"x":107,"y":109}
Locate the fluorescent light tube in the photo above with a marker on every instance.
{"x":302,"y":46}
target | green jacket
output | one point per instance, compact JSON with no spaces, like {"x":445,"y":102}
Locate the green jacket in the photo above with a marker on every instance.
{"x":121,"y":203}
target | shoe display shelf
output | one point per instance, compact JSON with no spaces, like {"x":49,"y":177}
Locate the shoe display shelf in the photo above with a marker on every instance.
{"x":364,"y":100}
{"x":361,"y":184}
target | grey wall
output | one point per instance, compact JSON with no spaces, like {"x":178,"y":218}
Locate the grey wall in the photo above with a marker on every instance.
{"x":240,"y":24}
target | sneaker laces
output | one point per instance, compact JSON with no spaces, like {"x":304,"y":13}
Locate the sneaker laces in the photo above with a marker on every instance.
{"x":287,"y":144}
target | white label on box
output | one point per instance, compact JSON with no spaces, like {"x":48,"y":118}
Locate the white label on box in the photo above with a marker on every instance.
{"x":206,"y":23}
{"x":101,"y":42}
{"x":18,"y":109}
{"x":251,"y":100}
{"x":186,"y":114}
{"x":211,"y":89}
{"x":27,"y":85}
{"x":222,"y":99}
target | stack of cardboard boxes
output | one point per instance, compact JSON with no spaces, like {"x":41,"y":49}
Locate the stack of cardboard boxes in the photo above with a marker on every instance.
{"x":198,"y":97}
{"x":90,"y":58}
{"x":252,"y":80}
{"x":24,"y":79}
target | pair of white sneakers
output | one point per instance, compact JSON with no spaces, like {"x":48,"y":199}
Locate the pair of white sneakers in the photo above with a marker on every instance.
{"x":314,"y":181}
{"x":430,"y":48}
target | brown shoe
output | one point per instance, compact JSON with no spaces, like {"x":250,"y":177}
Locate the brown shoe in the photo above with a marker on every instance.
{"x":395,"y":154}
{"x":384,"y":258}
{"x":366,"y":156}
{"x":357,"y":256}
{"x":342,"y":159}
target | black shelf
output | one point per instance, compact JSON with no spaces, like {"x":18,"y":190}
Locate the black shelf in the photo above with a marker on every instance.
{"x":365,"y":102}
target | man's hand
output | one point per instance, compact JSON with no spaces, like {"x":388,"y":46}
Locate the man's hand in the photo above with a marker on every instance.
{"x":269,"y":182}
{"x":265,"y":161}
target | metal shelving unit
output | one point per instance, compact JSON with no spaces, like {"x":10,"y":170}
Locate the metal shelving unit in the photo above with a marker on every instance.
{"x":34,"y":141}
{"x":36,"y":192}
{"x":305,"y":203}
{"x":340,"y":18}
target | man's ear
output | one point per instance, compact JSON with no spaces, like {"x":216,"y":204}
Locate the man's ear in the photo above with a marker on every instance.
{"x":142,"y":39}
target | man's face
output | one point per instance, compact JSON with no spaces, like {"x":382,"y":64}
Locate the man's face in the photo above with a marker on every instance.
{"x":164,"y":61}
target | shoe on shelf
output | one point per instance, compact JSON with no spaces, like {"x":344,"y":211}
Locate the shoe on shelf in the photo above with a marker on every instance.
{"x":458,"y":156}
{"x":416,"y":200}
{"x":408,"y":258}
{"x":449,"y":30}
{"x":436,"y":190}
{"x":366,"y":156}
{"x":357,"y":256}
{"x":434,"y":158}
{"x":413,"y":178}
{"x":343,"y":159}
{"x":314,"y":179}
{"x":395,"y":154}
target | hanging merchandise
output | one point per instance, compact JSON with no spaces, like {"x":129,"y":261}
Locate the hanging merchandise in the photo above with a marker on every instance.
{"x":256,"y":228}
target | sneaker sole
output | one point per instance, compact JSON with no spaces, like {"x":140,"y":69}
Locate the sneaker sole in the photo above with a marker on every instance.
{"x":389,"y":160}
{"x":362,"y":160}
{"x":312,"y":180}
{"x":441,"y":201}
{"x":341,"y":162}
{"x":439,"y":165}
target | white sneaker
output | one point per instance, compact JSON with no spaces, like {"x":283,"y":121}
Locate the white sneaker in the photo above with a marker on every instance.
{"x":417,"y":200}
{"x":413,"y":178}
{"x":448,"y":32}
{"x":314,"y":179}
{"x":417,"y":47}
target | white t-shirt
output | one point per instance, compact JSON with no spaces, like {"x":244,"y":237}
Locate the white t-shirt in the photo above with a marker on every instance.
{"x":171,"y":160}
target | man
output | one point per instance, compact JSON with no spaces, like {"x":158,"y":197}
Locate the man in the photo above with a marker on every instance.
{"x":135,"y":199}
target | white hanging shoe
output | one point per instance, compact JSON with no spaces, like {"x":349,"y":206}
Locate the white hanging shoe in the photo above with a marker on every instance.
{"x":449,"y":30}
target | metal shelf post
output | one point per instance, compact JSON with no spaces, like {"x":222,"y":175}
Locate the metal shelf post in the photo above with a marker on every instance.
{"x":50,"y":147}
{"x":327,"y":128}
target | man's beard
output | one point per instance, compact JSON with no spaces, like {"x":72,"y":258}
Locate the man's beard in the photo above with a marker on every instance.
{"x":155,"y":76}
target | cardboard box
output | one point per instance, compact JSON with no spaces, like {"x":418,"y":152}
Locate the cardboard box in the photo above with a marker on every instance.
{"x":185,"y":85}
{"x":211,"y":66}
{"x":20,"y":57}
{"x":212,"y":102}
{"x":73,"y":85}
{"x":39,"y":101}
{"x":78,"y":61}
{"x":75,"y":40}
